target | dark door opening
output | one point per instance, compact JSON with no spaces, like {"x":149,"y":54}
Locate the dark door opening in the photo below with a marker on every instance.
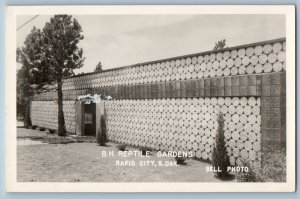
{"x":90,"y":119}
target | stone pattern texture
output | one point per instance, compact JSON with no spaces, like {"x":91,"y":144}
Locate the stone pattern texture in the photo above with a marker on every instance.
{"x":188,"y":124}
{"x":44,"y":114}
{"x":256,"y":58}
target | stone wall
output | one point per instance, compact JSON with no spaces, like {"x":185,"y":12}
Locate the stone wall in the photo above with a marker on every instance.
{"x":188,"y":124}
{"x":252,"y":72}
{"x":44,"y":114}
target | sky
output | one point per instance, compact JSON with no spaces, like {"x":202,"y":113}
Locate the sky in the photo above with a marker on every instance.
{"x":122,"y":40}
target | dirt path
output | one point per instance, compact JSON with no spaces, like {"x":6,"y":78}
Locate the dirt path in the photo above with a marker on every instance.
{"x":83,"y":162}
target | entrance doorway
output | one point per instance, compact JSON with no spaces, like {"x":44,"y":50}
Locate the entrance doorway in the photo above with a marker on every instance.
{"x":90,"y":119}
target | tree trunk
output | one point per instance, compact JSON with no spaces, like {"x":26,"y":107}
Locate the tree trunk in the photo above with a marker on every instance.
{"x":61,"y":120}
{"x":27,"y":119}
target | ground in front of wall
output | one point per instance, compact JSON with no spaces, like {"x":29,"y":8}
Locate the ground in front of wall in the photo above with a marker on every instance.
{"x":85,"y":162}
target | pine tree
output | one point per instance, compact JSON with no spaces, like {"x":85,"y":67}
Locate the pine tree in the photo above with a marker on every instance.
{"x":62,"y":35}
{"x":52,"y":54}
{"x":220,"y":158}
{"x":98,"y":67}
{"x":220,"y":45}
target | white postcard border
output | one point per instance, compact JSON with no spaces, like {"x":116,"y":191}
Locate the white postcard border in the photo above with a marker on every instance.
{"x":10,"y":97}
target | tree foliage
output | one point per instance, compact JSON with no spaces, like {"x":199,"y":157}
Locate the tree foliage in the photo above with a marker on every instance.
{"x":62,"y":54}
{"x":30,"y":57}
{"x":220,"y":45}
{"x":220,"y":158}
{"x":98,"y":67}
{"x":24,"y":93}
{"x":52,"y":54}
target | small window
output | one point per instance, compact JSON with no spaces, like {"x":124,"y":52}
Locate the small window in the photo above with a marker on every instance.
{"x":88,"y":118}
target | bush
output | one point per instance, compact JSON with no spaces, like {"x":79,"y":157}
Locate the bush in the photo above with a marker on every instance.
{"x":122,"y":147}
{"x":101,"y":138}
{"x":52,"y":131}
{"x":33,"y":127}
{"x":274,"y":165}
{"x":272,"y":170}
{"x":180,"y":160}
{"x":101,"y":134}
{"x":144,"y":150}
{"x":42,"y":129}
{"x":250,"y":176}
{"x":220,"y":157}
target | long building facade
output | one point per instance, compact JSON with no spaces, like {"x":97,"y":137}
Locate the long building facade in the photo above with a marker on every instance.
{"x":173,"y":104}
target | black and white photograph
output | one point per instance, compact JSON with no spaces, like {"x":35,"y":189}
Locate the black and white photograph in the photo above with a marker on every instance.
{"x":151,"y":98}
